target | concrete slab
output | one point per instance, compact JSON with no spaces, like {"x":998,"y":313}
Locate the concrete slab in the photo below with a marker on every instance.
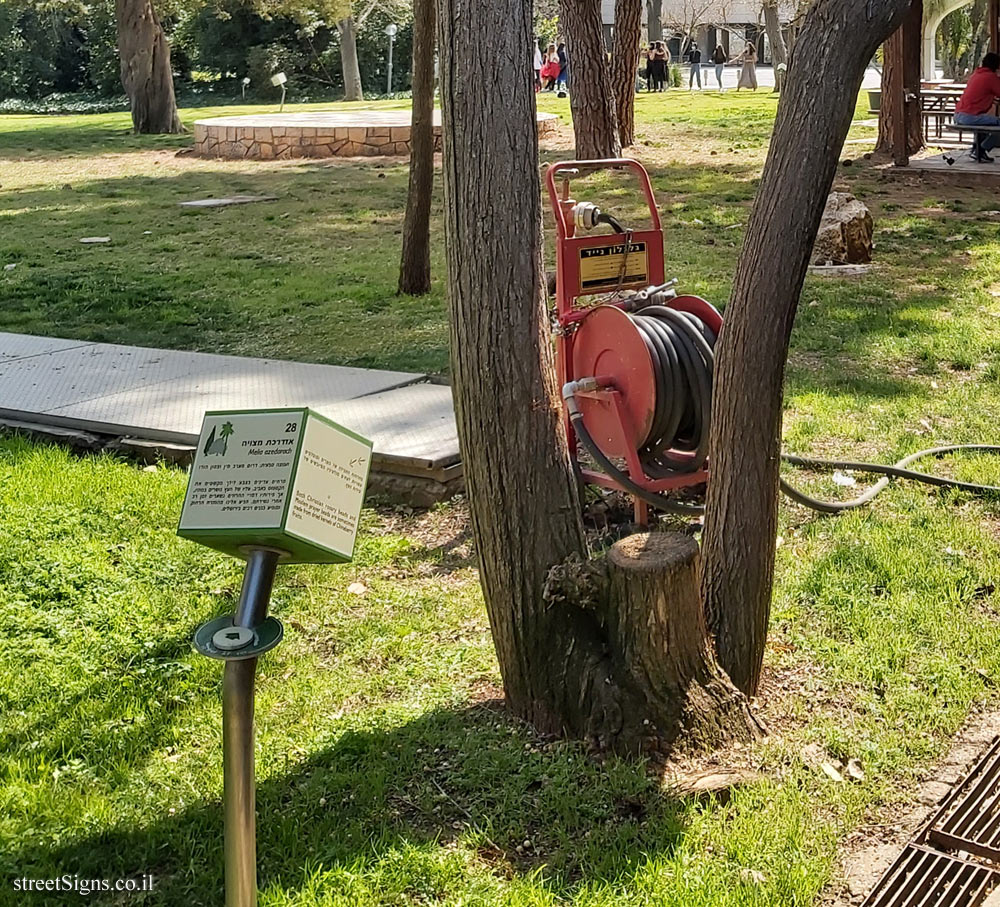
{"x":161,"y":396}
{"x":229,"y":200}
{"x":24,"y":346}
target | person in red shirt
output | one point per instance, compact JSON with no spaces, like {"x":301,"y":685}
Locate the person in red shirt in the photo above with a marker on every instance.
{"x":975,"y":108}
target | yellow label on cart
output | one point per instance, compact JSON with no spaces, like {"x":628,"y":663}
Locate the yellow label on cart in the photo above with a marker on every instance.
{"x":611,"y":266}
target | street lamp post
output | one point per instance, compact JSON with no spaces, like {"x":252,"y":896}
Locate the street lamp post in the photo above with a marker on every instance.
{"x":391,"y":31}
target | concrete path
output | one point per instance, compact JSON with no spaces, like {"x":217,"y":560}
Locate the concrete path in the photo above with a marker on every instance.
{"x":161,"y":395}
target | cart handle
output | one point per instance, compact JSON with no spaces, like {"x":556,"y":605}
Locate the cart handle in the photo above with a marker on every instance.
{"x":581,"y":167}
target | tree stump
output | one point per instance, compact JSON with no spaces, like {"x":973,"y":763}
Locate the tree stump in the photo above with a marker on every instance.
{"x":657,"y":627}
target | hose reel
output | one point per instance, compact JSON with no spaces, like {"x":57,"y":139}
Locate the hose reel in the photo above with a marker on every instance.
{"x":636,"y":368}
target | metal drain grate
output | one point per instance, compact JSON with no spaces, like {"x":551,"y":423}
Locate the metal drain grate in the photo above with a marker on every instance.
{"x":969,"y":817}
{"x":928,"y":878}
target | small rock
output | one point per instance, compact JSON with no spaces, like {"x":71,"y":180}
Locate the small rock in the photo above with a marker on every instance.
{"x":847,"y":162}
{"x":357,"y":588}
{"x":843,"y":480}
{"x":67,"y":187}
{"x":11,"y":266}
{"x":381,"y":176}
{"x":147,"y":232}
{"x":832,"y":772}
{"x":854,"y":770}
{"x":149,"y":469}
{"x":90,"y":240}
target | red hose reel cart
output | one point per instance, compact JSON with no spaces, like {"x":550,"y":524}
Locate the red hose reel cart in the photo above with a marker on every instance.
{"x":633,"y":357}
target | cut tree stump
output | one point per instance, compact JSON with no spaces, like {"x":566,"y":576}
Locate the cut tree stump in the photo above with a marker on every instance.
{"x":657,"y":627}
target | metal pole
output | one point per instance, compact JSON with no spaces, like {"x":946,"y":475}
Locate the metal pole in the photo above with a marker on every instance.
{"x":388,"y":87}
{"x":239,"y":787}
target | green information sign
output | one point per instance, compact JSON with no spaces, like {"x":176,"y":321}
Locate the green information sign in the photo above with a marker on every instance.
{"x":283,"y":478}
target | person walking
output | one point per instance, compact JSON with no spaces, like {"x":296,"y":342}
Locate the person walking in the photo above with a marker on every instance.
{"x":748,"y":74}
{"x":538,"y":66}
{"x":694,"y":58}
{"x":563,"y":81}
{"x":975,"y":107}
{"x":720,"y":59}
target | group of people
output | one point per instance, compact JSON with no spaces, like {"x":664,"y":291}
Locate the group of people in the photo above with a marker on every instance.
{"x":657,"y":59}
{"x":551,"y":68}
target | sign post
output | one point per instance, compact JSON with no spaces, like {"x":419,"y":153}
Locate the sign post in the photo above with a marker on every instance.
{"x":269,"y":486}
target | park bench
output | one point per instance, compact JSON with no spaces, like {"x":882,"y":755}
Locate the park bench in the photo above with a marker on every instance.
{"x":977,"y":131}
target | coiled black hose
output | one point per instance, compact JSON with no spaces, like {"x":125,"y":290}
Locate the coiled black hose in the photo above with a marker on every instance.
{"x":682,"y":349}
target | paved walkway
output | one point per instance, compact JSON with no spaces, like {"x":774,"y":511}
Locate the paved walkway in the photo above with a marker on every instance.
{"x":161,"y":395}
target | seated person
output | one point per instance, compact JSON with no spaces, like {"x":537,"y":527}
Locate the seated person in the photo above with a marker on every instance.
{"x":975,"y":108}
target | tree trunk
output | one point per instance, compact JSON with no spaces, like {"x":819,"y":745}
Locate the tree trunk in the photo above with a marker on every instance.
{"x":654,"y":19}
{"x":741,"y":508}
{"x":145,"y":68}
{"x":901,"y":80}
{"x":563,"y":666}
{"x":625,"y":65}
{"x":591,"y":100}
{"x":779,"y":53}
{"x":349,"y":60}
{"x":415,"y":263}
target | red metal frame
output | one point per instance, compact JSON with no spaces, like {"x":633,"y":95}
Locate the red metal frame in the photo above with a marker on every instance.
{"x":569,"y":314}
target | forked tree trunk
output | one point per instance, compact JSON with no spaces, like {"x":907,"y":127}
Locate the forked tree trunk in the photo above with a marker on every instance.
{"x":779,"y":53}
{"x":147,"y":78}
{"x":415,"y":263}
{"x":654,"y":19}
{"x":741,"y":508}
{"x":567,"y":653}
{"x":591,"y":100}
{"x":349,"y":60}
{"x":625,"y":65}
{"x":900,"y":81}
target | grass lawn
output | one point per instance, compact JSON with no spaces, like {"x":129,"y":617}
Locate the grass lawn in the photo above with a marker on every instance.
{"x":388,"y":773}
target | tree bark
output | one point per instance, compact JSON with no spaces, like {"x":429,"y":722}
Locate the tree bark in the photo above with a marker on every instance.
{"x":741,"y":508}
{"x":145,"y":68}
{"x":657,"y":624}
{"x":591,"y":100}
{"x":900,"y":81}
{"x":625,"y":65}
{"x":560,"y":641}
{"x":779,"y":53}
{"x":415,"y":263}
{"x":654,"y":19}
{"x":349,"y":60}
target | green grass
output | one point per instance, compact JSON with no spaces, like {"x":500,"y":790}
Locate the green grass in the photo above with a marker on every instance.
{"x":388,"y":773}
{"x":313,"y":275}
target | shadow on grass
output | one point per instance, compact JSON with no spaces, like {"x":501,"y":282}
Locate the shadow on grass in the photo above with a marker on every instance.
{"x":97,"y":727}
{"x":307,"y":277}
{"x":453,"y":775}
{"x":41,"y":137}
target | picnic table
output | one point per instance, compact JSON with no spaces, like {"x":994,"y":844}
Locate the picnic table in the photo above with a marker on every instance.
{"x":940,"y":98}
{"x":937,"y":106}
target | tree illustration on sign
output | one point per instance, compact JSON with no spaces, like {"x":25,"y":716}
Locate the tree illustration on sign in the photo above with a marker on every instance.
{"x":218,"y":445}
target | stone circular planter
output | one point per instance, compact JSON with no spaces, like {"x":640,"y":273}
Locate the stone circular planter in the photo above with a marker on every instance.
{"x":317,"y":135}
